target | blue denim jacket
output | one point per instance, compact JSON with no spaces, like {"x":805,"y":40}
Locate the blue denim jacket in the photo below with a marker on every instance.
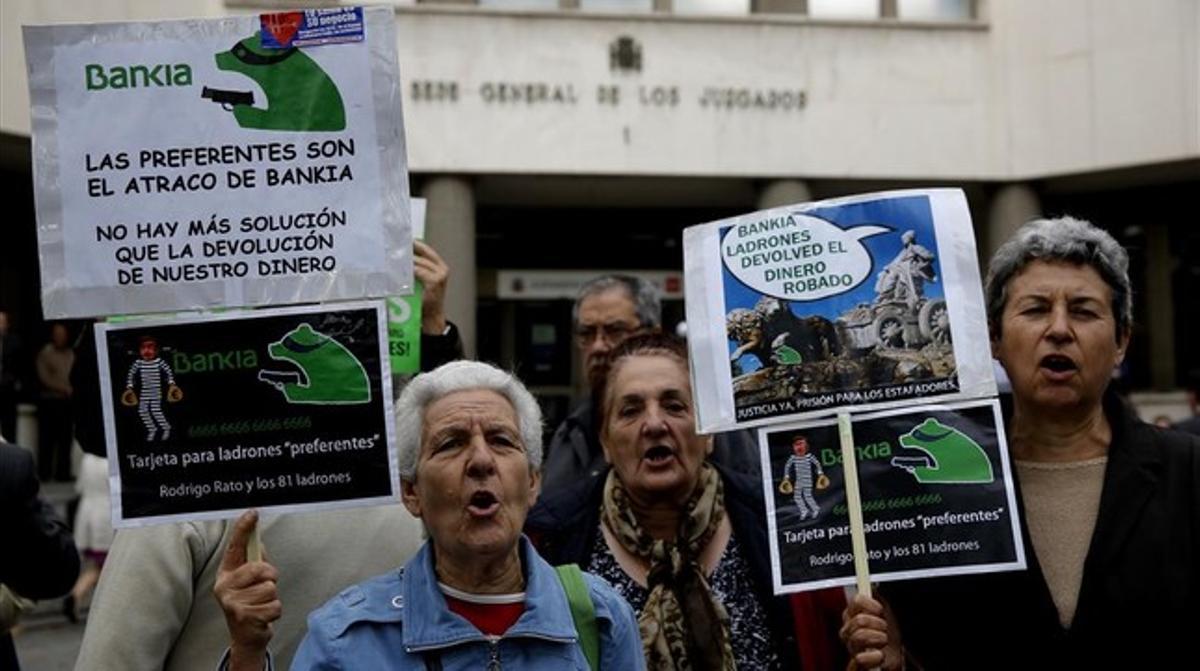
{"x":399,"y":620}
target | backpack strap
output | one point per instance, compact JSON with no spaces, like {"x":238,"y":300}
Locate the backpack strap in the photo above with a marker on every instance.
{"x":583,"y":611}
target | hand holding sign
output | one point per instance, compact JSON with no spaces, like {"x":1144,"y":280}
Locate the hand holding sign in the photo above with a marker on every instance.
{"x":434,"y":274}
{"x":247,"y":591}
{"x":870,"y":634}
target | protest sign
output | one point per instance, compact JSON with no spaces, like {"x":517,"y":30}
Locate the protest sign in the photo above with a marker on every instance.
{"x":182,"y":165}
{"x":864,"y":303}
{"x":287,"y":408}
{"x":937,"y":496}
{"x":404,"y":312}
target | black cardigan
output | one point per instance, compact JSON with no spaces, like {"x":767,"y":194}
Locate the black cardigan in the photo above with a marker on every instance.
{"x":1139,"y":602}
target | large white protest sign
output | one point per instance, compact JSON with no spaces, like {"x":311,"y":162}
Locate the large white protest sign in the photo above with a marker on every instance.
{"x":865,"y":302}
{"x":190,"y":164}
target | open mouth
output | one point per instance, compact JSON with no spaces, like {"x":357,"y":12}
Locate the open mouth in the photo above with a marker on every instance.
{"x":483,"y":503}
{"x":659,"y":454}
{"x":1058,"y":363}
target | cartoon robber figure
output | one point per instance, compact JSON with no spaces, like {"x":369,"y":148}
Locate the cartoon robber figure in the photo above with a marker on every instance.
{"x":148,"y":372}
{"x":800,"y":485}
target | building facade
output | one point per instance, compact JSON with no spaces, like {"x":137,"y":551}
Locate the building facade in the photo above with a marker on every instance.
{"x":555,"y":139}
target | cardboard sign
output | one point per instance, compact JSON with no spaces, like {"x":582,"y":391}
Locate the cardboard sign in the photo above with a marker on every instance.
{"x":865,"y":302}
{"x":404,"y":313}
{"x":284,"y":408}
{"x":937,"y":497}
{"x":188,"y":164}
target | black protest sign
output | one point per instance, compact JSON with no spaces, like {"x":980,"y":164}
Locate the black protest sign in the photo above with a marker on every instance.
{"x":278,"y":408}
{"x":936,"y":488}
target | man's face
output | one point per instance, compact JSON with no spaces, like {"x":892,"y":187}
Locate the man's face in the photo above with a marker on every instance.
{"x":800,"y":446}
{"x":59,"y":336}
{"x":473,"y":485}
{"x":148,"y":350}
{"x":605,"y":320}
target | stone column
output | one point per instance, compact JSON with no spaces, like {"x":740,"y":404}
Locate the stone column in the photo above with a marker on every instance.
{"x":783,"y":192}
{"x":27,"y":427}
{"x":799,"y":7}
{"x":1011,"y":206}
{"x":450,"y":228}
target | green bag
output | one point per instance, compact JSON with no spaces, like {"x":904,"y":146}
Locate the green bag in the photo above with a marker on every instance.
{"x":583,"y":611}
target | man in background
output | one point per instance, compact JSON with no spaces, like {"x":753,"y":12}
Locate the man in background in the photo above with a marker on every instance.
{"x":54,"y":363}
{"x":608,"y":310}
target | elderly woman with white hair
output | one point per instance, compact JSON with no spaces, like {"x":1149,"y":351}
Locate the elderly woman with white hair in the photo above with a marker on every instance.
{"x":476,"y":596}
{"x":1109,"y":506}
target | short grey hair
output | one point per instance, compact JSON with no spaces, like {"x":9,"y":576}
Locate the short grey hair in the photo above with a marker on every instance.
{"x":426,"y":388}
{"x":647,"y":304}
{"x":1062,"y":239}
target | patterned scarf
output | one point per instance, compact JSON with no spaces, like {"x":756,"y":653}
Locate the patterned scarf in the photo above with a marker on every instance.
{"x":683,"y":627}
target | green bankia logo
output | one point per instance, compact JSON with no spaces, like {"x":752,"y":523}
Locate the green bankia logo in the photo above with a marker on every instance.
{"x":98,"y":77}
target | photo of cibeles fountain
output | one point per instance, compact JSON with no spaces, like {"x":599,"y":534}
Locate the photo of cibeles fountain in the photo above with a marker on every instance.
{"x":879,"y":335}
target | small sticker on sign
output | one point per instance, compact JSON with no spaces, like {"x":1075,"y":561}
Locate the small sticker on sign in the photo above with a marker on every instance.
{"x":311,"y":27}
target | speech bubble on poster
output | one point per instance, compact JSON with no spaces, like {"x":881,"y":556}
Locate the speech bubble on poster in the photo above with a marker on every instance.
{"x":233,"y":167}
{"x":797,"y":256}
{"x":937,"y":496}
{"x":287,"y":409}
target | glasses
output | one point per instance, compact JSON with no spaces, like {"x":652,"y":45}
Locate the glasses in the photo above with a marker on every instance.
{"x":613,"y":333}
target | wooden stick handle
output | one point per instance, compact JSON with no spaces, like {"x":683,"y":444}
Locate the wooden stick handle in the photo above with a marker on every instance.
{"x":858,"y":539}
{"x":254,"y":545}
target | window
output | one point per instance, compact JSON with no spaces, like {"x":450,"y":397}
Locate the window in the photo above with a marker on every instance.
{"x":548,"y":5}
{"x":627,"y":6}
{"x":712,"y":7}
{"x":934,"y":10}
{"x":843,"y":9}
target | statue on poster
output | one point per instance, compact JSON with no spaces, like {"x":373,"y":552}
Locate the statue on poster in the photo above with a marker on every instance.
{"x":903,"y":279}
